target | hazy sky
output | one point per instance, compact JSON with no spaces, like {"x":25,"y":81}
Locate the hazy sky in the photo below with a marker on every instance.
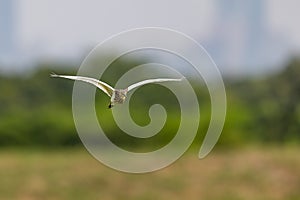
{"x":72,"y":23}
{"x":67,"y":28}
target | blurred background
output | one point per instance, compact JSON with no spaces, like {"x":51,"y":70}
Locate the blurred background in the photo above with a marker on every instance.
{"x":255,"y":44}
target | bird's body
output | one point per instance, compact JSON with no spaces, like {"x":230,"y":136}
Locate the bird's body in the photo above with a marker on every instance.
{"x":117,"y":96}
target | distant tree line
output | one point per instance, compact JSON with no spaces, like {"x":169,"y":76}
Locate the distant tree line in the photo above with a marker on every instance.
{"x":37,"y":110}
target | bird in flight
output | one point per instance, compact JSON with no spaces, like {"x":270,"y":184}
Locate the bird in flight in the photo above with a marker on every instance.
{"x":117,"y":96}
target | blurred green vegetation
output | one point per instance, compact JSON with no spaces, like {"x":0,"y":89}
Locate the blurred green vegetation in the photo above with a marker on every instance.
{"x":36,"y":110}
{"x":266,"y":109}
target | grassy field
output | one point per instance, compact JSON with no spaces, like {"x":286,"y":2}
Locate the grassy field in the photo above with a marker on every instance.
{"x":248,"y":173}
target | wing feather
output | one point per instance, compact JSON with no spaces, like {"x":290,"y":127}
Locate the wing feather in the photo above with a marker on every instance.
{"x":99,"y":84}
{"x":157,"y":80}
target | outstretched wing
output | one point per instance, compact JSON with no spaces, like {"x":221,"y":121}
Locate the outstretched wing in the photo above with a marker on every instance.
{"x":157,"y":80}
{"x":99,"y":84}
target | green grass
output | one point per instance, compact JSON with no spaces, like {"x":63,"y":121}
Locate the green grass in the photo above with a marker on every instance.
{"x":248,"y":173}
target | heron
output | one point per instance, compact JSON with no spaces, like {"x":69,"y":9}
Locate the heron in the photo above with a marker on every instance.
{"x":117,"y":96}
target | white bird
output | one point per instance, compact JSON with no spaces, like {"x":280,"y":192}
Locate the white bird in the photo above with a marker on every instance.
{"x":118,"y":96}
